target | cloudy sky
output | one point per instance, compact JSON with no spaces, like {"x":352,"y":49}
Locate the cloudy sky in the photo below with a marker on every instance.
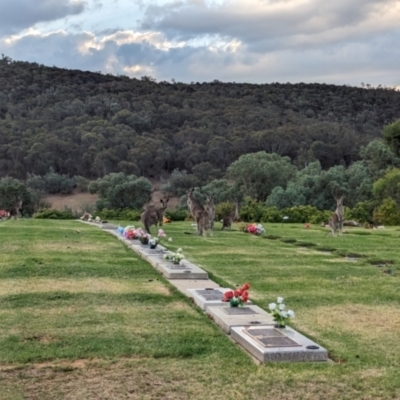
{"x":257,"y":41}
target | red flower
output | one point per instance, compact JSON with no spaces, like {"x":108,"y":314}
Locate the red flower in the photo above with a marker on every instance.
{"x":251,"y":228}
{"x":246,"y":286}
{"x":237,"y":292}
{"x":228,"y":296}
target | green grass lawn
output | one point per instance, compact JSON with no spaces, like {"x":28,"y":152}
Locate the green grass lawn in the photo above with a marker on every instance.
{"x":82,"y":317}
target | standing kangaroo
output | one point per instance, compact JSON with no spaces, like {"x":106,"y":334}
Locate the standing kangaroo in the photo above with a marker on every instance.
{"x":210,"y":208}
{"x":336,"y":220}
{"x":231,"y":217}
{"x":13,"y":211}
{"x":154,"y":216}
{"x":195,"y":209}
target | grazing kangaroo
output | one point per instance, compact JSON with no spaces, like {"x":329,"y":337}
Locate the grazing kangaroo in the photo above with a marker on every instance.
{"x":154,"y":216}
{"x":231,"y":217}
{"x":210,"y":208}
{"x":13,"y":211}
{"x":336,"y":220}
{"x":195,"y":209}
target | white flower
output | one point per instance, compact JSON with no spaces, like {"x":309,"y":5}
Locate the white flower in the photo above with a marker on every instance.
{"x":283,"y":314}
{"x":290,"y":313}
{"x":179,"y":250}
{"x":272,"y":306}
{"x":170,"y":239}
{"x":281,"y":306}
{"x":279,"y":300}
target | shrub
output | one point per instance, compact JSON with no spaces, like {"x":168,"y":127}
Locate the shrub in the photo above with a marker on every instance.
{"x":54,"y":214}
{"x":125,"y":214}
{"x":252,"y":211}
{"x":387,"y":213}
{"x":176,"y":215}
{"x":222,"y":210}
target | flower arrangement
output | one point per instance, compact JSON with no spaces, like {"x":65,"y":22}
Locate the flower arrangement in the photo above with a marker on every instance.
{"x":129,"y":232}
{"x":176,"y":258}
{"x":144,"y":238}
{"x":255,"y":229}
{"x":238,"y":297}
{"x":153,"y":242}
{"x":281,"y":317}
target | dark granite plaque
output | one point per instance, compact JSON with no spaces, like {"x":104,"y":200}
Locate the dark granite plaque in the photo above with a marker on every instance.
{"x":210,"y":294}
{"x":239,"y":311}
{"x":271,"y":337}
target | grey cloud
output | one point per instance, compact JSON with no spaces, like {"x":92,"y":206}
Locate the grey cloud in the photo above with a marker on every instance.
{"x":370,"y":60}
{"x":186,"y":20}
{"x":16,"y":15}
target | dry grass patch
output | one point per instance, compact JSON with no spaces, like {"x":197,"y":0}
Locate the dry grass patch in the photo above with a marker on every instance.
{"x":69,"y":246}
{"x":368,"y":322}
{"x":87,"y":285}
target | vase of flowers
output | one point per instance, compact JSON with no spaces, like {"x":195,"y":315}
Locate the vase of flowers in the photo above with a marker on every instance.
{"x":281,"y":316}
{"x":153,"y":242}
{"x":238,"y":297}
{"x":176,"y":258}
{"x":144,"y":239}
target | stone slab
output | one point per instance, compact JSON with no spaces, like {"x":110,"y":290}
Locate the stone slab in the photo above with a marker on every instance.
{"x":278,"y":345}
{"x":226,"y":321}
{"x":158,"y":251}
{"x":183,"y":285}
{"x":208,"y":296}
{"x":169,"y":270}
{"x":107,"y":226}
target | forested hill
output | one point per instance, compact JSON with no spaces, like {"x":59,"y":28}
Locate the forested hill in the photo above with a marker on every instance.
{"x":89,"y":124}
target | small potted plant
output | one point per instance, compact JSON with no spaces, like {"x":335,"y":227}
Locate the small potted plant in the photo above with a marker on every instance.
{"x":238,"y":297}
{"x":281,"y":316}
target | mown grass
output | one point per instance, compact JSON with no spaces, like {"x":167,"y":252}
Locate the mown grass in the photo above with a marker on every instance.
{"x":83,"y":317}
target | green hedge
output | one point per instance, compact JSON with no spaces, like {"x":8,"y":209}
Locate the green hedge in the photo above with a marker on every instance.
{"x":54,"y":214}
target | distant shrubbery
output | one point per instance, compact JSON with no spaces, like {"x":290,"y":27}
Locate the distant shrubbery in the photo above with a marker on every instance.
{"x":125,"y":214}
{"x":54,"y":214}
{"x":177,"y":214}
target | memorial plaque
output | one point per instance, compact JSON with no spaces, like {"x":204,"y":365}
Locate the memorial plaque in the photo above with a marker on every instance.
{"x":177,"y":267}
{"x":239,"y":311}
{"x":271,"y":337}
{"x":210,"y":294}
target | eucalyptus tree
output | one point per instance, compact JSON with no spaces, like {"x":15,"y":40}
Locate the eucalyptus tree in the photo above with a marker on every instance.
{"x":377,"y":157}
{"x":119,"y":191}
{"x":258,"y":173}
{"x":391,"y":135}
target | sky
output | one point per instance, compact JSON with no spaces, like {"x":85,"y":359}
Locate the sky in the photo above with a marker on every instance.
{"x":344,"y":42}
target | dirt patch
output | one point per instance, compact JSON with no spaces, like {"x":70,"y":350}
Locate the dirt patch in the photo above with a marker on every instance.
{"x":80,"y":202}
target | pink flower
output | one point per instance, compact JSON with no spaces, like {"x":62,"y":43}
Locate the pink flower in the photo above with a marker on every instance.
{"x":161,"y":233}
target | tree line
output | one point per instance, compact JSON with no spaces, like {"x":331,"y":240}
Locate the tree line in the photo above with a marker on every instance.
{"x":81,"y":123}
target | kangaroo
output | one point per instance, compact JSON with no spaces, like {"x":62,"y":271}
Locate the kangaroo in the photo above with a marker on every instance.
{"x":13,"y":211}
{"x":204,"y":223}
{"x":210,"y":208}
{"x":195,"y":209}
{"x":336,"y":220}
{"x":154,"y":216}
{"x":231,"y":217}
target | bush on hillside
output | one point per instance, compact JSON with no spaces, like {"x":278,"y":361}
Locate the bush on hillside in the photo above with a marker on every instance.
{"x":54,"y":214}
{"x":177,"y":214}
